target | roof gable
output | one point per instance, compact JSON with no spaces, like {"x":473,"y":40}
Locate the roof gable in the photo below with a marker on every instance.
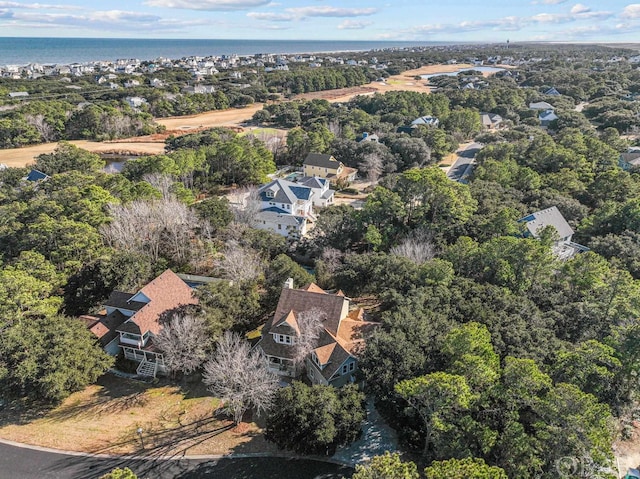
{"x":321,"y":160}
{"x":539,"y":220}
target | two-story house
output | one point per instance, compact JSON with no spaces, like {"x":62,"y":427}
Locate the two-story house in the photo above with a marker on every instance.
{"x":333,"y":358}
{"x":285,"y":208}
{"x":326,"y":166}
{"x":130,"y":321}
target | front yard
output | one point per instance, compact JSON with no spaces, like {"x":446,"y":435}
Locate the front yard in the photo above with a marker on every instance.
{"x":105,"y":418}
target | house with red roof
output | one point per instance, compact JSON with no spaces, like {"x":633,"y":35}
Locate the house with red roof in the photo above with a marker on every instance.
{"x":333,"y":359}
{"x":130,"y":321}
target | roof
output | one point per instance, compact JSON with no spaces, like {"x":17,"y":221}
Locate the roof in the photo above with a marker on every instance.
{"x":36,"y":175}
{"x":426,"y":120}
{"x":284,"y":192}
{"x":300,"y":300}
{"x":631,"y":157}
{"x":166,"y":293}
{"x":539,"y":220}
{"x":552,"y":91}
{"x":313,"y":182}
{"x":541,"y":105}
{"x":321,"y":160}
{"x":285,"y":219}
{"x":104,"y":326}
{"x":286,"y":325}
{"x":118,"y":299}
{"x":194,"y":280}
{"x":490,"y":118}
{"x":548,"y":115}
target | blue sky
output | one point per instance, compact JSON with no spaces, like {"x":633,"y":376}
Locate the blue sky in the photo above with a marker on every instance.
{"x":410,"y":20}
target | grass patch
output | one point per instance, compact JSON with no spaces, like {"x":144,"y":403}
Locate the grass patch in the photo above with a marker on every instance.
{"x":105,"y":417}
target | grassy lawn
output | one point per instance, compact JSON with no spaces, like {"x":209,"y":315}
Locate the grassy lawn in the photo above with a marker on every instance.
{"x":105,"y":417}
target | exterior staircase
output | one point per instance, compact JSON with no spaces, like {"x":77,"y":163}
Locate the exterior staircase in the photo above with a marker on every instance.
{"x":147,"y":368}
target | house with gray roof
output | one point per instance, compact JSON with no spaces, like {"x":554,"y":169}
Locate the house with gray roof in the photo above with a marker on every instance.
{"x":285,"y":208}
{"x":537,"y":222}
{"x":630,"y":159}
{"x":490,"y":121}
{"x":322,"y":195}
{"x":541,"y":105}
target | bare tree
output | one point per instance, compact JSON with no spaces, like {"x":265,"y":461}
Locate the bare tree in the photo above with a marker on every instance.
{"x":153,"y":227}
{"x":184,"y":342}
{"x":245,"y":205}
{"x":418,"y":247}
{"x":160,"y":182}
{"x":45,"y":130}
{"x":372,"y":165}
{"x":240,"y":377}
{"x":239,"y":263}
{"x":310,"y":323}
{"x":331,"y":258}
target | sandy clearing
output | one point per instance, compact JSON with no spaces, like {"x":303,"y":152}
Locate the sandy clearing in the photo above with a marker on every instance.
{"x":210,"y":119}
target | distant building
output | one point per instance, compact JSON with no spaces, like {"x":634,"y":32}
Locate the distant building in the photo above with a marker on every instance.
{"x":630,"y":159}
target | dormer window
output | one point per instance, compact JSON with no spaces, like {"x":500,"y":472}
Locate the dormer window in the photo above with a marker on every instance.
{"x":283,"y":339}
{"x":270,"y":193}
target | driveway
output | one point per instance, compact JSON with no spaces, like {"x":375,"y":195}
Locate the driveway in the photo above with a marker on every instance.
{"x":26,"y":463}
{"x":463,"y":165}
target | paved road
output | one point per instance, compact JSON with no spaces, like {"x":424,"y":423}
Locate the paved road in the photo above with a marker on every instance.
{"x":464,"y":163}
{"x":22,"y":463}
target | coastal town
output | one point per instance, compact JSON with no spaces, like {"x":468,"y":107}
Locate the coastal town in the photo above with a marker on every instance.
{"x":406,"y":259}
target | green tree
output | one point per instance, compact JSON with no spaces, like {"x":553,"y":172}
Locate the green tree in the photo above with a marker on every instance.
{"x":388,"y":466}
{"x":437,"y":398}
{"x":67,"y":157}
{"x":50,"y":358}
{"x":467,"y":468}
{"x":281,"y":268}
{"x":118,"y":473}
{"x":315,"y":419}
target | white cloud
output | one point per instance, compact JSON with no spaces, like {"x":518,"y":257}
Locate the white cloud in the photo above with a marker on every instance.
{"x":36,"y":6}
{"x":271,"y":17}
{"x":631,"y":11}
{"x":224,"y":5}
{"x":353,"y":25}
{"x":579,"y":8}
{"x":328,"y":11}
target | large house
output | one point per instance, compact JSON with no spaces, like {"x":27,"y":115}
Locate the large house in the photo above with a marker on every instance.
{"x":130,"y":321}
{"x":490,"y":121}
{"x":333,"y":358}
{"x":537,"y":222}
{"x":326,"y":166}
{"x":285,"y":208}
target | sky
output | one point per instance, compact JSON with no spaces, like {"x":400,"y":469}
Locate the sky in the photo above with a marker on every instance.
{"x":402,"y":20}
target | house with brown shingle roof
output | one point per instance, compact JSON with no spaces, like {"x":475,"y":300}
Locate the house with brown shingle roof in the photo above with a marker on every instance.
{"x":334,"y":357}
{"x":130,"y":321}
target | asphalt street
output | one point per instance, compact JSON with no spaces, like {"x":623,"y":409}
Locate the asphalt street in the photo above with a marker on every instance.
{"x":23,"y":463}
{"x":464,"y":163}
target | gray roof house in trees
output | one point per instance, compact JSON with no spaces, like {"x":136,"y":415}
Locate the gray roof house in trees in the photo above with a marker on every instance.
{"x":285,"y":208}
{"x":630,"y":159}
{"x":536,"y":222}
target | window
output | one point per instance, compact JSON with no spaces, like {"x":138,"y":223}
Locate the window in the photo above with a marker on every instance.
{"x":279,"y":226}
{"x":283,"y":339}
{"x":352,"y":366}
{"x":344,"y":368}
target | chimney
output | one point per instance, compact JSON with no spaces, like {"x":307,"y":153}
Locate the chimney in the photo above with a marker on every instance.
{"x":288,"y":284}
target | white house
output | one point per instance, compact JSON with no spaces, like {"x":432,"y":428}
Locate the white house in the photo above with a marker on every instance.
{"x":285,"y":208}
{"x":322,"y":195}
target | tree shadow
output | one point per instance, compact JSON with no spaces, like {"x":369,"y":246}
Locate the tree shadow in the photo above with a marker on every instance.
{"x":117,"y":393}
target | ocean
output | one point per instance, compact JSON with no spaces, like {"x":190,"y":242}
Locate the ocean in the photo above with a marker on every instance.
{"x":22,"y":51}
